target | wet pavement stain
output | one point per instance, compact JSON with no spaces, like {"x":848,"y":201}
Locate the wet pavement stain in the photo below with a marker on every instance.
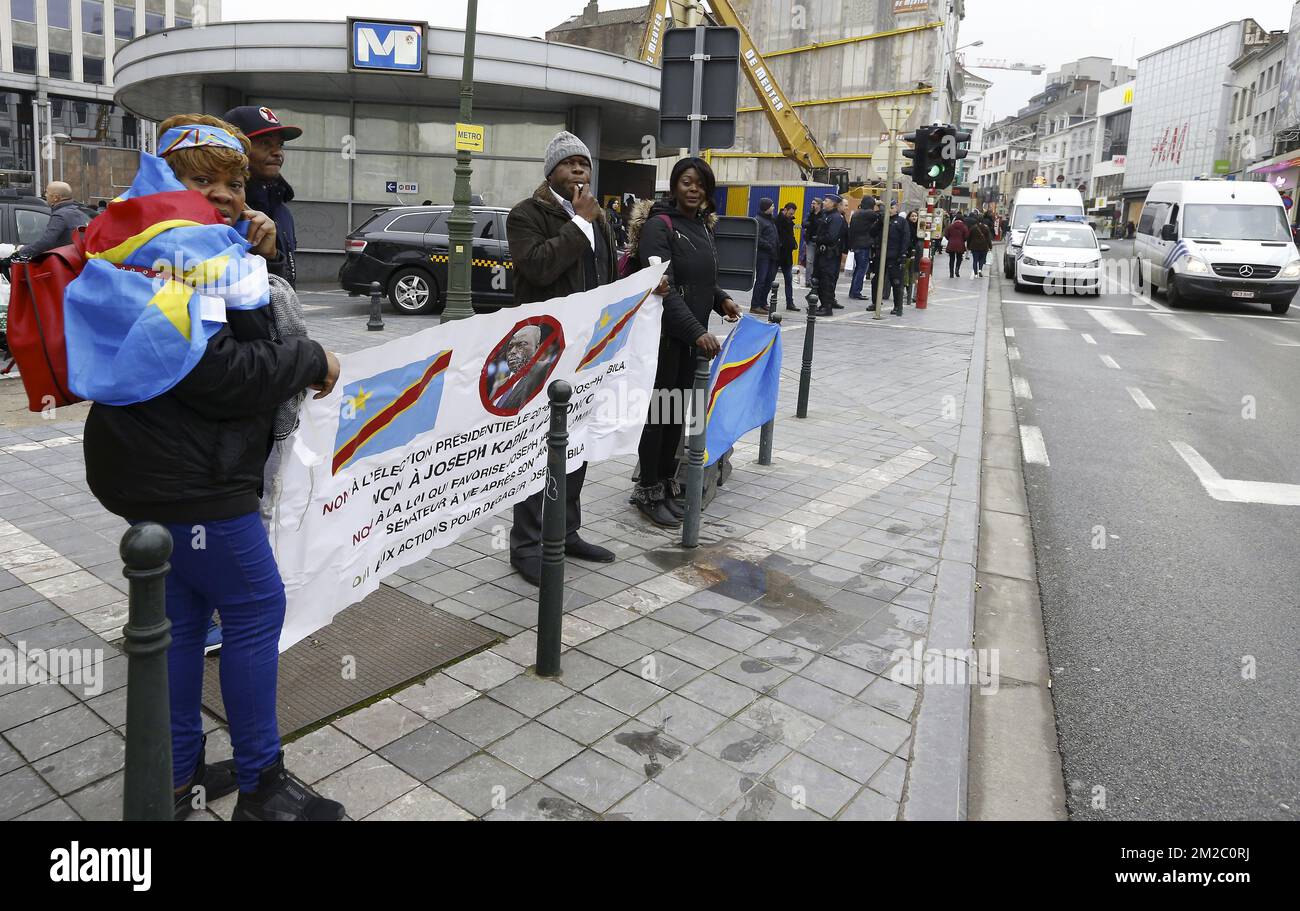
{"x":651,"y":745}
{"x":745,"y":750}
{"x":754,"y":666}
{"x":758,"y":802}
{"x":561,"y":809}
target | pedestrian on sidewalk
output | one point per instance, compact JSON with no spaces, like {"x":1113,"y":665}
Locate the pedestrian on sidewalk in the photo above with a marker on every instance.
{"x":864,"y":228}
{"x":194,"y":459}
{"x":679,"y":231}
{"x":268,"y":191}
{"x":65,"y":217}
{"x":786,"y":249}
{"x":561,"y":242}
{"x":912,"y":261}
{"x":956,"y":234}
{"x":895,"y":253}
{"x":832,"y":248}
{"x":810,"y":224}
{"x":980,"y":243}
{"x":769,"y":245}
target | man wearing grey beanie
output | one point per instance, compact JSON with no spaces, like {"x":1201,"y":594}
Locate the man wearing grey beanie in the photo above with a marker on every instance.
{"x":561,"y":243}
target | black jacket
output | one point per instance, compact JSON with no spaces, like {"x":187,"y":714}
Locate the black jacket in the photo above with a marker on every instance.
{"x":549,"y":251}
{"x":864,"y":229}
{"x":272,"y":197}
{"x":810,"y":224}
{"x":692,"y":271}
{"x":900,"y":240}
{"x":197,"y":452}
{"x":769,"y":240}
{"x":785,"y":234}
{"x":832,"y":233}
{"x":65,"y":218}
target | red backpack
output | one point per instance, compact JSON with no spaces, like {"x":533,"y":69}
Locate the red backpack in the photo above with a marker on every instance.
{"x":35,"y":331}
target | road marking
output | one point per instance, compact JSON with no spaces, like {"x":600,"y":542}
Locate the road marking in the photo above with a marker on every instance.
{"x":1140,"y":397}
{"x":1010,"y":333}
{"x":1109,"y":362}
{"x":1045,"y":319}
{"x":1189,"y":331}
{"x":1033,"y":445}
{"x":1278,"y":339}
{"x":1089,"y":339}
{"x":1230,"y":491}
{"x":1020,"y":386}
{"x":1159,"y":308}
{"x":1114,"y":324}
{"x":1013,"y":353}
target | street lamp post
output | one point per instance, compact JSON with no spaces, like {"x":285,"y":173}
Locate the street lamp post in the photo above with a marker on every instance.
{"x":460,"y":225}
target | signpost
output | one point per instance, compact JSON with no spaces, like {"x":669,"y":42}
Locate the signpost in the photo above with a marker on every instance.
{"x":397,"y":186}
{"x":469,"y":137}
{"x":698,"y":88}
{"x":387,"y":45}
{"x":894,"y":114}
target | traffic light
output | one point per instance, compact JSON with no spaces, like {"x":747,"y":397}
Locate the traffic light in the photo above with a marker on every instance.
{"x":947,"y":141}
{"x":918,"y":155}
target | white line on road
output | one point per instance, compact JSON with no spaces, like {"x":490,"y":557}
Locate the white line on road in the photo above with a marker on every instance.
{"x":1230,"y":491}
{"x":1109,"y":362}
{"x":1159,"y":308}
{"x":1114,"y":324}
{"x":1020,"y":386}
{"x":1013,"y":353}
{"x":1045,"y":319}
{"x":1033,"y":445}
{"x":1189,"y":331}
{"x":1089,"y":339}
{"x":1010,"y":333}
{"x":1141,"y":398}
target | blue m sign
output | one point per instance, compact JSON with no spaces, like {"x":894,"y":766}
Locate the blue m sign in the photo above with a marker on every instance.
{"x":390,"y":46}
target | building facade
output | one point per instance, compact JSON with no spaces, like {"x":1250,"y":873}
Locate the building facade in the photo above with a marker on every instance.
{"x":1110,"y":158}
{"x":58,"y":119}
{"x":1256,"y":91}
{"x":1183,"y":106}
{"x":971,"y":116}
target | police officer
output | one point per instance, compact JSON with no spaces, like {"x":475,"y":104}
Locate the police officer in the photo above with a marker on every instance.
{"x":900,"y":240}
{"x":832,"y":244}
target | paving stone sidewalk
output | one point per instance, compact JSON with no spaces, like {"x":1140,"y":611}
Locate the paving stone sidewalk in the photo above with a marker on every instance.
{"x":749,"y":679}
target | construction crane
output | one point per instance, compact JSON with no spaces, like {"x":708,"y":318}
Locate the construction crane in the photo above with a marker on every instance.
{"x":797,"y":142}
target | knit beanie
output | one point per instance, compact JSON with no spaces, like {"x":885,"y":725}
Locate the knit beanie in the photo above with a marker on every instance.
{"x":563,"y":146}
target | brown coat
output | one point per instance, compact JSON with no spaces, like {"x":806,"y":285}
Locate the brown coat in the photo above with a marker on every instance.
{"x":547,"y":249}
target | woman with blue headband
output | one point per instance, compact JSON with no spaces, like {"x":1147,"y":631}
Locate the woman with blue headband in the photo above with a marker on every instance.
{"x":182,"y":428}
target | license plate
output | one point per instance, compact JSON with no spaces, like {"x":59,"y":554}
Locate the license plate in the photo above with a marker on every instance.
{"x":1248,"y":295}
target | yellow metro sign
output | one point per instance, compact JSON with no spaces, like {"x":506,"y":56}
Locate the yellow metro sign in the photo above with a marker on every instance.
{"x":469,"y":137}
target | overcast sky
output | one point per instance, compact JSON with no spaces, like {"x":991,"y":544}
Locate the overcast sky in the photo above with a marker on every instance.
{"x":1050,"y":32}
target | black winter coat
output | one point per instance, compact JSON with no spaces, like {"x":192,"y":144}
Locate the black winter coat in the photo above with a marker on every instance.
{"x":864,"y":229}
{"x":197,"y":452}
{"x":549,"y":251}
{"x":785,"y":231}
{"x":272,"y":198}
{"x":833,"y":234}
{"x":769,"y":241}
{"x":900,"y":240}
{"x":692,"y":271}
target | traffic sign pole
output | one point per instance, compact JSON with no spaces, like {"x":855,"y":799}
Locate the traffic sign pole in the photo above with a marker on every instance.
{"x":927,"y":265}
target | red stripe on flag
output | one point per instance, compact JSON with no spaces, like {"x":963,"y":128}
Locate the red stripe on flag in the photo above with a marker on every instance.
{"x":404,"y":401}
{"x":594,"y":352}
{"x":125,"y":219}
{"x":730,"y":373}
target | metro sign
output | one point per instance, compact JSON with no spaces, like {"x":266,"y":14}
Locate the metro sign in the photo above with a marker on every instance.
{"x":387,"y":46}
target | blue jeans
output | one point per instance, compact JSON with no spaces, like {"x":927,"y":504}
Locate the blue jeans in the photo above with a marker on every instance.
{"x":861,"y":260}
{"x":764,"y":275}
{"x":978,"y":259}
{"x":226,"y":566}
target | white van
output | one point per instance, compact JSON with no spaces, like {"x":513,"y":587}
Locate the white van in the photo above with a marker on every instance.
{"x":1224,"y":239}
{"x":1030,"y":203}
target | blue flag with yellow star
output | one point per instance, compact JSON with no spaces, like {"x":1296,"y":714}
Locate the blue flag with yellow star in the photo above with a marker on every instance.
{"x":611,"y":332}
{"x":389,"y":409}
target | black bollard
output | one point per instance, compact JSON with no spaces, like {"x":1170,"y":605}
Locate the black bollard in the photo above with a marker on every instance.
{"x":771,"y":300}
{"x":147,"y":785}
{"x":765,"y":434}
{"x":376,"y":314}
{"x":805,"y":374}
{"x":550,"y":596}
{"x":695,"y":453}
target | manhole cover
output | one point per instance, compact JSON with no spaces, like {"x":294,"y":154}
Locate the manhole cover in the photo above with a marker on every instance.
{"x":373,"y":646}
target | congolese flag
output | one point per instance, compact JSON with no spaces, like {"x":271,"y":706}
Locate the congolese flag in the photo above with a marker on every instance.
{"x":612,"y":329}
{"x":162,"y":267}
{"x":743,"y":386}
{"x":389,"y":409}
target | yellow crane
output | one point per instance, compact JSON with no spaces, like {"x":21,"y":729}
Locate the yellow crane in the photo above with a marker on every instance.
{"x":797,"y":142}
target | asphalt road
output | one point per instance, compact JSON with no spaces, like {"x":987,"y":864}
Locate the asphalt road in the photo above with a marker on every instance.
{"x":1175,"y":650}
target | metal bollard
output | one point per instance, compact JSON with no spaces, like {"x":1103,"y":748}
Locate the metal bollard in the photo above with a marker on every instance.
{"x":695,"y":454}
{"x":771,"y":300}
{"x":376,"y":315}
{"x":765,"y":434}
{"x":550,"y":596}
{"x":805,"y":374}
{"x":147,"y":785}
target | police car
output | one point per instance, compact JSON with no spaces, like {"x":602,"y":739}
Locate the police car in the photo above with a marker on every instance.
{"x":1060,"y":254}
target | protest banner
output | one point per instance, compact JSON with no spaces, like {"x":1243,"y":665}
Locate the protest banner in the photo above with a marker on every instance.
{"x":424,"y":436}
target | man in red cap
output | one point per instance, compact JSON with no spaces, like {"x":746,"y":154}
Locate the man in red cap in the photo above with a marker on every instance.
{"x":268,"y":191}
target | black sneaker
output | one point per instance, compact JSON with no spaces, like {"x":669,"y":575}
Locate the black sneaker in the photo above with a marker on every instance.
{"x":282,"y":798}
{"x":209,"y":783}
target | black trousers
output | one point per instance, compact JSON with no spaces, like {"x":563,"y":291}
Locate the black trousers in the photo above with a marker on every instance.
{"x":526,"y":533}
{"x":662,"y":435}
{"x":786,"y":269}
{"x":893,"y":283}
{"x":954,"y":264}
{"x":828,"y":275}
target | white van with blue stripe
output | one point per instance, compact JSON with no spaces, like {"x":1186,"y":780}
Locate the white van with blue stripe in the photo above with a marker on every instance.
{"x":1218,"y":240}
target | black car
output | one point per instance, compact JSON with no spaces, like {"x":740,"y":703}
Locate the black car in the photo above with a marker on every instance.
{"x":405,"y":250}
{"x":22,"y":218}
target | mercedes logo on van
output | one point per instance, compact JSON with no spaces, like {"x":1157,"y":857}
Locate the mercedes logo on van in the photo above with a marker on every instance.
{"x":1246,"y":271}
